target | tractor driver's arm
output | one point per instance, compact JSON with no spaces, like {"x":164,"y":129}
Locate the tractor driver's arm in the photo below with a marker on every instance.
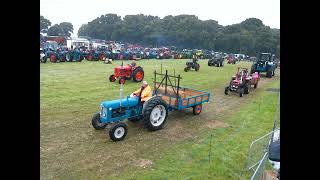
{"x":137,"y":92}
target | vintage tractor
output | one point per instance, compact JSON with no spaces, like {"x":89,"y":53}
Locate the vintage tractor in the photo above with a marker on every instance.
{"x":242,"y":82}
{"x":199,"y":53}
{"x":231,"y":59}
{"x":74,"y":55}
{"x":192,"y":64}
{"x":127,"y":72}
{"x":96,"y":55}
{"x":264,"y":63}
{"x":217,"y":60}
{"x":153,"y":112}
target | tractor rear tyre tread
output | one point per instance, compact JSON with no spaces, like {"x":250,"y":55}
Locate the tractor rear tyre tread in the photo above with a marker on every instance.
{"x":138,"y":69}
{"x":151,"y":103}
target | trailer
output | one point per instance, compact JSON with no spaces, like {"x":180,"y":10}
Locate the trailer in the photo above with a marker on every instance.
{"x":178,"y":97}
{"x":153,"y":113}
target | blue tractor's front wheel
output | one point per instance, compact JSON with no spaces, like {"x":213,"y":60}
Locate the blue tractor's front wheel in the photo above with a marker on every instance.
{"x":96,"y":123}
{"x":118,"y":132}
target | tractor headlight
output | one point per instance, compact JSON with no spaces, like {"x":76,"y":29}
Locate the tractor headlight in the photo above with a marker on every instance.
{"x":103,"y":112}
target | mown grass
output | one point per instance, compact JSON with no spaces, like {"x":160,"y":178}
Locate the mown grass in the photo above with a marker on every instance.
{"x":229,"y":146}
{"x":70,"y":148}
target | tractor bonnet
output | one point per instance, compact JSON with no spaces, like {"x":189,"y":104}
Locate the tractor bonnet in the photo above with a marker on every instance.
{"x":114,"y":104}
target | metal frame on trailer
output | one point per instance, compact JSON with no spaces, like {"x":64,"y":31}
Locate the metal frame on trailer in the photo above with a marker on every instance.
{"x":182,"y":103}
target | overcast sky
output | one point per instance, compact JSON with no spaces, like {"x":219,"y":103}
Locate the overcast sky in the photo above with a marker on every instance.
{"x":226,"y":12}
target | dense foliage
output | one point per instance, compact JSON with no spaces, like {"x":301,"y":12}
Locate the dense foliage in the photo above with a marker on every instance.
{"x":183,"y":31}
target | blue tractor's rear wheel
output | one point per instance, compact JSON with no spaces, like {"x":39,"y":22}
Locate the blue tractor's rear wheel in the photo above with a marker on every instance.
{"x":155,"y":113}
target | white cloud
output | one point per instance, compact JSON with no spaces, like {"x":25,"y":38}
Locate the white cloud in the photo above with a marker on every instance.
{"x":226,"y":12}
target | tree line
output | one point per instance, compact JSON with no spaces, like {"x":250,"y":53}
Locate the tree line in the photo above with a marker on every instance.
{"x":249,"y":37}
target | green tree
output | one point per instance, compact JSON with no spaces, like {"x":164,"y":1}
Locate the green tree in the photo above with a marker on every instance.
{"x":44,"y":24}
{"x":55,"y":30}
{"x":66,"y":29}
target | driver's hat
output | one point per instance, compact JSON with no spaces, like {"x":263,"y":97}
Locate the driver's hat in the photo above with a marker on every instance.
{"x":145,"y":83}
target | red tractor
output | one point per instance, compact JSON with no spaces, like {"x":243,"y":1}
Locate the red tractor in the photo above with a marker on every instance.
{"x":242,"y":82}
{"x":128,"y":71}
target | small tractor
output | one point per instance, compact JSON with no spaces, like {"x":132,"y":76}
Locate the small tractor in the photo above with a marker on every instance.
{"x":167,"y":96}
{"x":192,"y":64}
{"x":127,"y":72}
{"x":264,"y":63}
{"x":231,"y":59}
{"x":242,"y":82}
{"x":217,"y":60}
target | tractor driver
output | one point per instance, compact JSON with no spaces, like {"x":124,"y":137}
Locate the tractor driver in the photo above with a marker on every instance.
{"x":194,"y":59}
{"x":133,"y":63}
{"x":145,"y":92}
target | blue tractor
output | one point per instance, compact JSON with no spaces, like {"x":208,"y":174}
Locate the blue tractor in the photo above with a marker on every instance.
{"x":74,"y":55}
{"x":264,"y":63}
{"x":153,"y":113}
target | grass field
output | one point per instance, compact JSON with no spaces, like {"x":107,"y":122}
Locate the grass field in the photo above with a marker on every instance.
{"x":70,"y":148}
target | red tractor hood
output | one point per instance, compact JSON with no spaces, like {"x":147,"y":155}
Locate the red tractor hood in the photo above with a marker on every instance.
{"x":126,"y":67}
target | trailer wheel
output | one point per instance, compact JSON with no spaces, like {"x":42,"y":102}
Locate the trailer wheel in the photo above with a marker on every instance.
{"x":197,"y":109}
{"x":155,"y":113}
{"x":96,"y":123}
{"x":186,"y":69}
{"x":226,"y":90}
{"x":118,"y":132}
